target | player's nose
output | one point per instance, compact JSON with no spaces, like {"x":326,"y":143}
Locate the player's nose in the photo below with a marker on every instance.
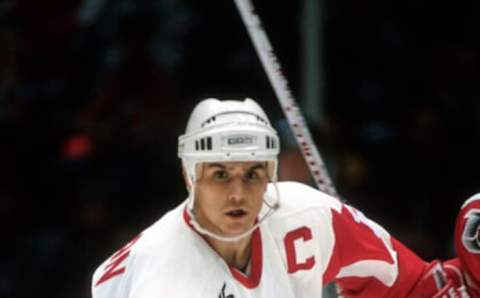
{"x":237,"y":190}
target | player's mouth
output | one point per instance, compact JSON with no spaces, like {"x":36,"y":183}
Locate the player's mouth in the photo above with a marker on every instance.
{"x":236,"y":213}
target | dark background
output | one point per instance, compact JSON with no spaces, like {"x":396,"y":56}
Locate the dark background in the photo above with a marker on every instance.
{"x":93,"y":95}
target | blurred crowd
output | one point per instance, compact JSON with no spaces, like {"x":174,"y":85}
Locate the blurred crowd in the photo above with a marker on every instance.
{"x":94,"y":93}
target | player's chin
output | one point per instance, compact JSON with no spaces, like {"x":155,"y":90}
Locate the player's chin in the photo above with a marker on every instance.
{"x":238,"y":226}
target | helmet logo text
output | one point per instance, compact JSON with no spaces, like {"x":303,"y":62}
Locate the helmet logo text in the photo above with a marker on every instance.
{"x":240,"y":140}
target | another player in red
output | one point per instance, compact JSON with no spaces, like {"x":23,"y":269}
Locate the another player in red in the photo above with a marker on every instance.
{"x":240,"y":233}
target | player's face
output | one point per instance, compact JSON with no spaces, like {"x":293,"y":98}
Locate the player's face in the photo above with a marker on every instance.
{"x":229,"y":195}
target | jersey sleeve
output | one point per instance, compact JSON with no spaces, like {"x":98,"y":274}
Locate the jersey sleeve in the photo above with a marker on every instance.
{"x":110,"y":278}
{"x":367,"y":262}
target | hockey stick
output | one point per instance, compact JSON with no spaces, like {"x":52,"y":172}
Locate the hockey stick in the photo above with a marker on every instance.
{"x":288,"y":103}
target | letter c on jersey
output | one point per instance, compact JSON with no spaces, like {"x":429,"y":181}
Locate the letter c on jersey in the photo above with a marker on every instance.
{"x":305,"y":234}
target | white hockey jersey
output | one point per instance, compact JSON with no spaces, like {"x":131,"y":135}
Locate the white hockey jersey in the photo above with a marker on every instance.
{"x":310,"y":240}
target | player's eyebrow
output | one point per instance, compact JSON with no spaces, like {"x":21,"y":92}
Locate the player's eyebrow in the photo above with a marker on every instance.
{"x":257,"y":166}
{"x":216,"y":165}
{"x":223,"y":167}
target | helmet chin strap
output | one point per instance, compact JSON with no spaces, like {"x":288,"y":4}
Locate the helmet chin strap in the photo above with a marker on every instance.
{"x":193,"y":220}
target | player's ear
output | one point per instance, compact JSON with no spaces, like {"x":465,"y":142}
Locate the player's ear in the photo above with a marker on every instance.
{"x":188,"y":185}
{"x":198,"y":174}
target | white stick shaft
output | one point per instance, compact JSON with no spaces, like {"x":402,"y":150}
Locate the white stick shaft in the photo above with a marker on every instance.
{"x":287,"y":101}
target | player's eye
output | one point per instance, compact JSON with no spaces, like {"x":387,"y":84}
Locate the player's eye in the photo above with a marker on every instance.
{"x":220,"y":175}
{"x":252,"y":175}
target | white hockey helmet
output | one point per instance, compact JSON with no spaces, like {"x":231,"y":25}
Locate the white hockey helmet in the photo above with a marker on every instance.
{"x":229,"y":130}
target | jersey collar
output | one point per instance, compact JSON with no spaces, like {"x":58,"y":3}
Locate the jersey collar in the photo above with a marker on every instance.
{"x":252,"y":280}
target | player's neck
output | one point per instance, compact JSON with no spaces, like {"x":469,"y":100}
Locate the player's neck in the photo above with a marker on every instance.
{"x":236,"y":254}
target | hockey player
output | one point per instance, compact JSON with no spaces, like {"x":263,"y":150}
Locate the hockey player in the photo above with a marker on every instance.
{"x":240,"y":233}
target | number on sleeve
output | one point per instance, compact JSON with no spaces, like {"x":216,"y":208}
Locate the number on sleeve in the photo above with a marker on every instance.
{"x":113,"y":268}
